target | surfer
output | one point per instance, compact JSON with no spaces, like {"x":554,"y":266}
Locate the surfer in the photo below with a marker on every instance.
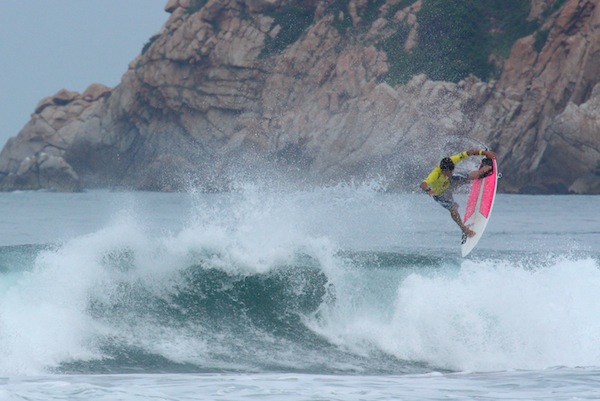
{"x":442,"y":181}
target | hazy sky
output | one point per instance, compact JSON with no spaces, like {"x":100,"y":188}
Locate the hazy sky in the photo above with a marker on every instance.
{"x":47,"y":45}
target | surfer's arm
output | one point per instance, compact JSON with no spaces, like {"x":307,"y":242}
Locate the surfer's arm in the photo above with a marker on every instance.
{"x":481,"y":173}
{"x":428,"y":183}
{"x":474,"y":175}
{"x":484,"y":170}
{"x":472,"y":152}
{"x":477,"y":152}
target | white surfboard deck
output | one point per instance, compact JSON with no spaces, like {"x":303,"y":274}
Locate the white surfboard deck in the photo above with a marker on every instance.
{"x":479,"y":208}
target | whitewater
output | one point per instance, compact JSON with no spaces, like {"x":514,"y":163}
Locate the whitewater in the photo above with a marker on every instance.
{"x":269,"y":293}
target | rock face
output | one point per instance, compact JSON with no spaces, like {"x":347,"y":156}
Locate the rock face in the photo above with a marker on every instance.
{"x":229,"y":89}
{"x":547,"y":112}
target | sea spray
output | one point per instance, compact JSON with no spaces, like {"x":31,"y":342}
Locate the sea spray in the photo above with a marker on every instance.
{"x":125,"y":298}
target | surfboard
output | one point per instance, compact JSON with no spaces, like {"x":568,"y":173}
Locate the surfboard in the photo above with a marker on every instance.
{"x":479,"y":208}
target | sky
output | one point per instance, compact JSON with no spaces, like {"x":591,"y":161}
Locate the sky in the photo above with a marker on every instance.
{"x":48,"y":45}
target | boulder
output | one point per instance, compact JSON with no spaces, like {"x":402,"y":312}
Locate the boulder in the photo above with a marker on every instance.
{"x":588,"y":184}
{"x":42,"y":172}
{"x":95,"y":92}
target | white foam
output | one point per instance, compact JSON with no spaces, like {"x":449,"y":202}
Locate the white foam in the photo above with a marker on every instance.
{"x":44,"y":312}
{"x":487,"y":316}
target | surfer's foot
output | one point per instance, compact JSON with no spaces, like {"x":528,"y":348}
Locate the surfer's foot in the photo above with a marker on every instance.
{"x":468,"y":232}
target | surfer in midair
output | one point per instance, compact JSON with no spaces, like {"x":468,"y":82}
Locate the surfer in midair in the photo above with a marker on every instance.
{"x":442,"y":181}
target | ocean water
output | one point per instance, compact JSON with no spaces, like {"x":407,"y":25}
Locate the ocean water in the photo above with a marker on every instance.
{"x":340,"y":293}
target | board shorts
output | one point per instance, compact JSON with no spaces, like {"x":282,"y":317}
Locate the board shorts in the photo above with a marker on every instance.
{"x":446,"y":200}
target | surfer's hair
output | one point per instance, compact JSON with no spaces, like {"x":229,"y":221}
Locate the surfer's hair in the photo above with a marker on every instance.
{"x":447,"y":164}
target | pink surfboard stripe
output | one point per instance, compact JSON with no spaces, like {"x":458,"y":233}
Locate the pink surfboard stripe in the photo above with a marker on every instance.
{"x":472,"y":201}
{"x":489,"y":189}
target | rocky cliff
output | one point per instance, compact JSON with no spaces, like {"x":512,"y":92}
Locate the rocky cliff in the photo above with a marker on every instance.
{"x":229,"y":89}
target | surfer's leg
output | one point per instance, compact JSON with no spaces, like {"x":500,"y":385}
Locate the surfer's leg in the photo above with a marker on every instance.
{"x":447,"y":202}
{"x":456,"y":217}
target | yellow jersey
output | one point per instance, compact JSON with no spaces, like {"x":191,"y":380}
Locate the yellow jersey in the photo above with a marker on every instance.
{"x":437,"y":180}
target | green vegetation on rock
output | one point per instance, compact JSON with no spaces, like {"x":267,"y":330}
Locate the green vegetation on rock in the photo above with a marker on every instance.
{"x":343,"y":21}
{"x":371,"y":12}
{"x":341,"y":15}
{"x":540,"y":39}
{"x":293,"y":20}
{"x":147,"y":45}
{"x":196,"y":6}
{"x":457,"y":38}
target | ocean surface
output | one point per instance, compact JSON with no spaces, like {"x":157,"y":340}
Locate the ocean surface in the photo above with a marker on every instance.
{"x":339,"y":293}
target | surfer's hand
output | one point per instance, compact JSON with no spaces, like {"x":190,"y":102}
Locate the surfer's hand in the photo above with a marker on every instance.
{"x":489,"y":154}
{"x":427,"y":189}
